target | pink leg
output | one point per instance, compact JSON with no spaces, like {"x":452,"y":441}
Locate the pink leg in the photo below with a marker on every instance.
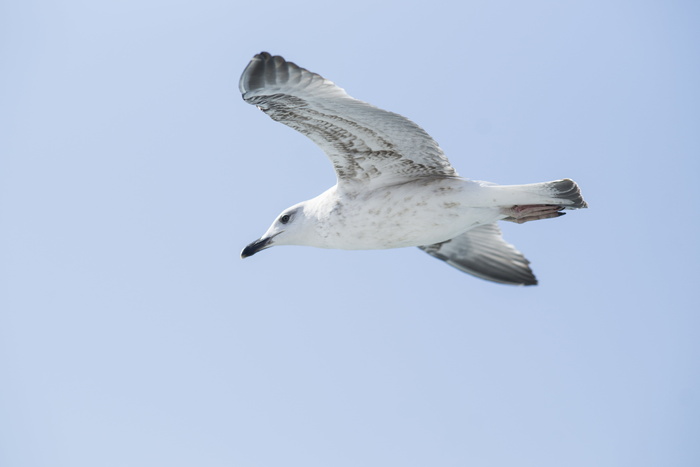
{"x":532,"y":212}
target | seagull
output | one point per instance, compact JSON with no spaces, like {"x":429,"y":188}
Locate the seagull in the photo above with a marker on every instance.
{"x":395,"y":187}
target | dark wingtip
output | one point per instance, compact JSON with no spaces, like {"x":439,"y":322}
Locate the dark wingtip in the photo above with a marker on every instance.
{"x":254,"y":74}
{"x":264,"y":69}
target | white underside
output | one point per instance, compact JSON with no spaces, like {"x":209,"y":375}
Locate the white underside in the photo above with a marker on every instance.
{"x":422,"y":212}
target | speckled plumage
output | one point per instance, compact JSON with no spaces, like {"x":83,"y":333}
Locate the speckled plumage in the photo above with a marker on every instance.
{"x":395,"y":186}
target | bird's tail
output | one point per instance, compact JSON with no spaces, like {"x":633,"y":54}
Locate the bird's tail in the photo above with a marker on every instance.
{"x":563,"y":193}
{"x":524,"y":203}
{"x":566,"y":193}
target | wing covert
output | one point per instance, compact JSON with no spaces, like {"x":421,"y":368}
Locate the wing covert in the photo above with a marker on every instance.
{"x":364,"y":143}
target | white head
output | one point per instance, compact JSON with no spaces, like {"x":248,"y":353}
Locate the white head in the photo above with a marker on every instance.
{"x":292,"y":227}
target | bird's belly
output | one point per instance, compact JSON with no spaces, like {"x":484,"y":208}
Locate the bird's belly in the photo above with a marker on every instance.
{"x":396,"y":220}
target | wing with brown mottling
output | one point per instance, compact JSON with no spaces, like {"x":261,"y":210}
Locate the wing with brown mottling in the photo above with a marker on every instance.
{"x":364,"y":143}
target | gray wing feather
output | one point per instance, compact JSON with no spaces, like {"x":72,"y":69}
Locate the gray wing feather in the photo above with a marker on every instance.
{"x":364,"y":143}
{"x":483,"y":253}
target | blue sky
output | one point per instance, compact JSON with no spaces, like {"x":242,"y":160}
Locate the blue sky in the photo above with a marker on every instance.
{"x":132,"y":174}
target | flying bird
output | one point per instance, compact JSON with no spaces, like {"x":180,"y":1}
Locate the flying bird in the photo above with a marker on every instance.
{"x":395,"y":186}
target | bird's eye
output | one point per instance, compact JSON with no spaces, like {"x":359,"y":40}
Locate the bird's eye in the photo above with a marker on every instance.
{"x":284,"y":219}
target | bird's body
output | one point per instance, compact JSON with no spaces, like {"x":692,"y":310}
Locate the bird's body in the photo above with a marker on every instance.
{"x":420,"y":212}
{"x":409,"y":214}
{"x":395,"y":186}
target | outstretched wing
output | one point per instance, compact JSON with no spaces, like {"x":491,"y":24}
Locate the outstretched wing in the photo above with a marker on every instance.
{"x":364,"y":143}
{"x":483,"y":253}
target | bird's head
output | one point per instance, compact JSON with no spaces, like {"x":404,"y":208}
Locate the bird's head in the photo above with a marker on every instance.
{"x":291,"y":227}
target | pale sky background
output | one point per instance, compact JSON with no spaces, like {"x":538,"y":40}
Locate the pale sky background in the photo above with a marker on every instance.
{"x":132,"y":174}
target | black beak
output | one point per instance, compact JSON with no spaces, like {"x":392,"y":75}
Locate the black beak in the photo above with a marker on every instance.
{"x":256,"y":246}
